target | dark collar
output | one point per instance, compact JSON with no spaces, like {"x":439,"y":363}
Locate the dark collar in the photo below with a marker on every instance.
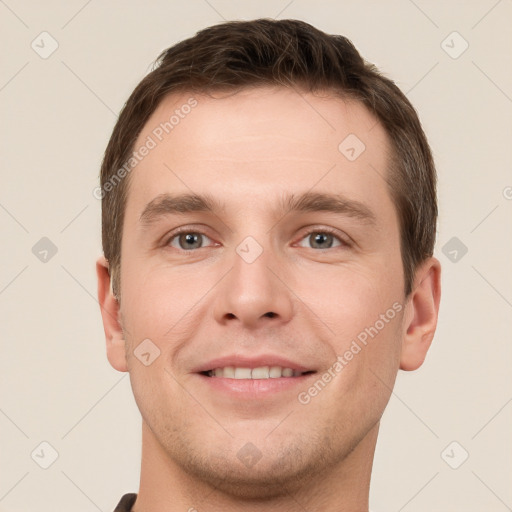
{"x":126,"y":503}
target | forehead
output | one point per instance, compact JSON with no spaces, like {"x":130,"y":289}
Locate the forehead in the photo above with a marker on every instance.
{"x":245,"y":147}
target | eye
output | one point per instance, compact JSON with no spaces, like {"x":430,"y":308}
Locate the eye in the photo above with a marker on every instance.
{"x":322,"y":239}
{"x":187,"y":240}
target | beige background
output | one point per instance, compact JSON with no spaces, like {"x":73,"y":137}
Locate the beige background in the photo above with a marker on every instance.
{"x":57,"y":114}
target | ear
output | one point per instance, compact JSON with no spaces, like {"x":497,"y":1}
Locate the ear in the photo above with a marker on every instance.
{"x":109,"y":305}
{"x":421,"y":315}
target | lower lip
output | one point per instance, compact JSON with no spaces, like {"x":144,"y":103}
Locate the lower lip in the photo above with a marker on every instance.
{"x":255,"y":388}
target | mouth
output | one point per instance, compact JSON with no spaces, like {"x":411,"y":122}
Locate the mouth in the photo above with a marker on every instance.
{"x":258,"y":373}
{"x":250,"y":378}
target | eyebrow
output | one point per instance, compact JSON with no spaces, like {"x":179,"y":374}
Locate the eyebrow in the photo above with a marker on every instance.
{"x":168,"y":204}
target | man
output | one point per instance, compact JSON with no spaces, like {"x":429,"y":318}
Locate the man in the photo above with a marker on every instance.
{"x":269,"y":214}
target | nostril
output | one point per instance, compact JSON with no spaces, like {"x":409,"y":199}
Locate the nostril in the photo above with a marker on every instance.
{"x":270,"y":314}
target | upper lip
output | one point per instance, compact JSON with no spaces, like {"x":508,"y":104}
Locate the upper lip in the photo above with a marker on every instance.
{"x":241,"y":361}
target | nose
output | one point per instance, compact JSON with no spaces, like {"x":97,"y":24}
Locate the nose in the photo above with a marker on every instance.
{"x":254,"y":293}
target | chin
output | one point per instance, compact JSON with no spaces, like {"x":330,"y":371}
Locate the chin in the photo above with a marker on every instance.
{"x":266,"y":480}
{"x":274,"y":472}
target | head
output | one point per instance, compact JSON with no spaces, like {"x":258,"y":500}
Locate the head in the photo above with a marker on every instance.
{"x":277,"y":127}
{"x":290,"y":54}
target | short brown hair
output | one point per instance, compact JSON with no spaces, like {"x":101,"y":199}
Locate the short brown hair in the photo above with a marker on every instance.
{"x":286,"y":53}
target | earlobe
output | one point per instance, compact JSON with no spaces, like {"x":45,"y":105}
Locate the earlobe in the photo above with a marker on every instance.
{"x":421,"y":315}
{"x":110,"y":314}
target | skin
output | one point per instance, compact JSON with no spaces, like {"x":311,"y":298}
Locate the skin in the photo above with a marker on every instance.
{"x":247,"y":150}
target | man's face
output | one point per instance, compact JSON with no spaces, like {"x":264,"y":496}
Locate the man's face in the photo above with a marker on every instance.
{"x":254,"y":284}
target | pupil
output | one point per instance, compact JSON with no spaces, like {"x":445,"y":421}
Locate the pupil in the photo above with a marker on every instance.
{"x":322,"y":238}
{"x":190,"y":239}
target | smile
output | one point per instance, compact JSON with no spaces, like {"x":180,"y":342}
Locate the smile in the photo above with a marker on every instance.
{"x":261,"y":372}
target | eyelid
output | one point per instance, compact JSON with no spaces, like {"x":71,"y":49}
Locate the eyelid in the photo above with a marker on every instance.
{"x":342,"y":237}
{"x":189,"y":228}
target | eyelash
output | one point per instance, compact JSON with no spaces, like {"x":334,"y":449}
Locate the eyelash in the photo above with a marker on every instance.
{"x":329,"y":231}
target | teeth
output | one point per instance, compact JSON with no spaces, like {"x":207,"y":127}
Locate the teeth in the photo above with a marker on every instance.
{"x":242,"y":373}
{"x":262,"y":372}
{"x":287,"y":372}
{"x":275,"y":372}
{"x":229,"y":372}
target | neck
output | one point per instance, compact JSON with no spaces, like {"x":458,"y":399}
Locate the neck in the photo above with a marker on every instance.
{"x":166,"y":487}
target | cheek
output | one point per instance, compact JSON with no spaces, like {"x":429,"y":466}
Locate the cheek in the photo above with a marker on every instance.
{"x":350,"y":297}
{"x":363,"y":310}
{"x":361,"y":390}
{"x":158,"y":301}
{"x":157,"y":393}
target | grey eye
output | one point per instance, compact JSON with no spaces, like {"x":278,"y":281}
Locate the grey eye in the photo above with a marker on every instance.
{"x":188,"y":241}
{"x":320,"y":240}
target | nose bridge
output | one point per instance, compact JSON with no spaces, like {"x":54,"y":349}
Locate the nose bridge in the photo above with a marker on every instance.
{"x":251,"y":291}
